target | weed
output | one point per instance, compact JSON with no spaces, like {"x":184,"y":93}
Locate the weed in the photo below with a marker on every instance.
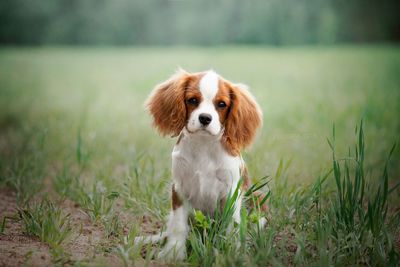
{"x":98,"y":202}
{"x":359,"y":210}
{"x":24,"y":170}
{"x":3,"y":225}
{"x":212,"y":234}
{"x":81,"y":153}
{"x":46,"y":221}
{"x":216,"y":239}
{"x":112,"y":224}
{"x":60,"y":257}
{"x":67,"y":184}
{"x":141,"y":183}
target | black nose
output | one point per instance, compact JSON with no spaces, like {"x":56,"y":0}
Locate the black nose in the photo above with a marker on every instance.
{"x":205,"y":119}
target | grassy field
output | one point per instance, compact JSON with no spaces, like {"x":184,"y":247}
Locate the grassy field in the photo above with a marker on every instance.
{"x":82,"y":170}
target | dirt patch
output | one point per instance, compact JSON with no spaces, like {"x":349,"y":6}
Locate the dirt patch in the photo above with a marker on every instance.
{"x":86,"y":244}
{"x":287,"y":239}
{"x":148,"y":226}
{"x":17,"y":248}
{"x":88,"y":241}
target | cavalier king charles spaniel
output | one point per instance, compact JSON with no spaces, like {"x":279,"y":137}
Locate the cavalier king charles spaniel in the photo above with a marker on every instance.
{"x":214,"y":120}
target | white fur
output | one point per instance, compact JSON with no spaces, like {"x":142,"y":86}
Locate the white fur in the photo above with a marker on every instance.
{"x":177,"y":231}
{"x":208,"y":88}
{"x":202,"y":171}
{"x":209,"y":84}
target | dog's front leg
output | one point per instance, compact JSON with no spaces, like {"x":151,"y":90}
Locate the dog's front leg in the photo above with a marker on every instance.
{"x":177,"y":230}
{"x":238,"y":206}
{"x":236,"y":215}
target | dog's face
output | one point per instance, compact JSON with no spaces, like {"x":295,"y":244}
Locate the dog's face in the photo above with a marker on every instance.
{"x":206,"y":104}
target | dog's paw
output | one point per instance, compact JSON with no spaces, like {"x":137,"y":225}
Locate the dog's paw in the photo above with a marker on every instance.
{"x":151,"y":239}
{"x":262,"y":222}
{"x":173,"y":251}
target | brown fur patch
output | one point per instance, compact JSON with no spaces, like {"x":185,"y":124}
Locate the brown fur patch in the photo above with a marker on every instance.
{"x":167,"y":103}
{"x":255,"y":201}
{"x":242,"y":121}
{"x":176,"y":201}
{"x":192,"y":91}
{"x":244,"y":173}
{"x":222,"y":96}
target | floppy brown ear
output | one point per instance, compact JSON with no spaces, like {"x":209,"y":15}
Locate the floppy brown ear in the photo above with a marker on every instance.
{"x":244,"y":118}
{"x":167,"y":104}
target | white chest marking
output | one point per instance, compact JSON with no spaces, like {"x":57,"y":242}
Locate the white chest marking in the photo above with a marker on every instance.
{"x":203,"y":171}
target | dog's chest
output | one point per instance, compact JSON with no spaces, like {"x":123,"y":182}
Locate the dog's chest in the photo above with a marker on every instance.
{"x":203,"y":173}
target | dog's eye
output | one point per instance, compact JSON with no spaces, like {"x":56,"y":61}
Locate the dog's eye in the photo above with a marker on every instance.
{"x":192,"y":101}
{"x":221,"y":104}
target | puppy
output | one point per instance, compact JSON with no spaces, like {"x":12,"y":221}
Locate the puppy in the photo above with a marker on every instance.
{"x":214,"y":120}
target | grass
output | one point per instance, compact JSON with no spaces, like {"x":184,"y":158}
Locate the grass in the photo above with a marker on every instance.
{"x":73,"y":126}
{"x":46,"y":221}
{"x":98,"y":202}
{"x":361,"y":230}
{"x":24,"y":169}
{"x":345,"y":225}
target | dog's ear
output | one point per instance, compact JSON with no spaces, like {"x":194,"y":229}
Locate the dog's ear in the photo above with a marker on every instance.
{"x":167,"y":104}
{"x":244,"y":118}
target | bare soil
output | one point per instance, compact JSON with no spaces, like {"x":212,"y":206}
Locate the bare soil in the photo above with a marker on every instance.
{"x":87,"y":243}
{"x":17,"y":248}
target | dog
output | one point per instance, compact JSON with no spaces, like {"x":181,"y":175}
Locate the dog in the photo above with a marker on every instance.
{"x":214,"y":120}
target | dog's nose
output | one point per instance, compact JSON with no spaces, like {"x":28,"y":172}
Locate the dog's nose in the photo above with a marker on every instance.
{"x":205,"y":119}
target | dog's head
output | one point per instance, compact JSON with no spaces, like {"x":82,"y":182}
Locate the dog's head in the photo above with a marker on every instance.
{"x":206,"y":104}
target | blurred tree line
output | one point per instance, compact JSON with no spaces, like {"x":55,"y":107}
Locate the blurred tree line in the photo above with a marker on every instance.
{"x":198,"y":22}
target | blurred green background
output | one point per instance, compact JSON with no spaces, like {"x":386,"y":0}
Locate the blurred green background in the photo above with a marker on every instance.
{"x":310,"y":64}
{"x":99,"y":93}
{"x":191,"y":22}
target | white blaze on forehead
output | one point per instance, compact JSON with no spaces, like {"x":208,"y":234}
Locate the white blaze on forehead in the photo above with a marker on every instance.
{"x":209,"y":85}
